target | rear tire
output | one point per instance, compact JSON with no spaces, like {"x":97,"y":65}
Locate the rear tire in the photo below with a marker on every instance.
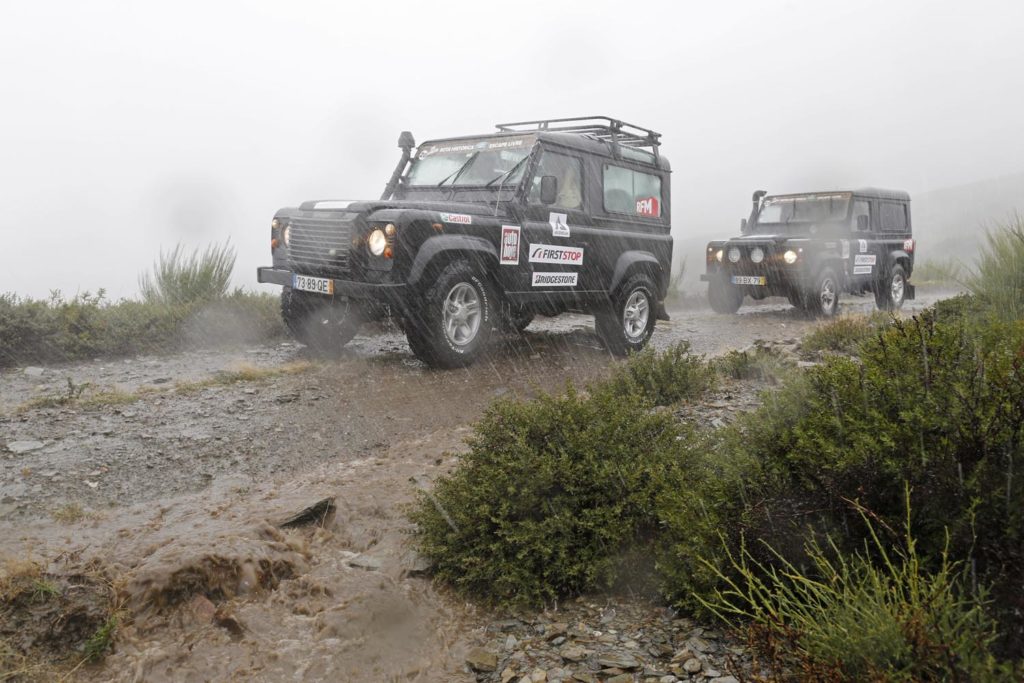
{"x":322,"y":323}
{"x":457,"y":315}
{"x":822,"y":299}
{"x":628,"y":326}
{"x":891,"y":292}
{"x":724,"y":297}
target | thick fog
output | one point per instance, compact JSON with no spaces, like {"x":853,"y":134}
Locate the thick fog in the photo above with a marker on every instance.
{"x":131,"y":126}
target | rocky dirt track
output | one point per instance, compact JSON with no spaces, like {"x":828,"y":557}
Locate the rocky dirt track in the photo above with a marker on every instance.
{"x":175,"y":471}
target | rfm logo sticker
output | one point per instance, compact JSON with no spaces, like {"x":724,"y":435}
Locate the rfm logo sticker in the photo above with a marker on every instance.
{"x":510,"y":245}
{"x":648,"y":207}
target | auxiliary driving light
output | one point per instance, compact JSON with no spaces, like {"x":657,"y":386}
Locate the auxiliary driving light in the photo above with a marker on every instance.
{"x":376,"y":242}
{"x":790,"y":257}
{"x":390,"y":229}
{"x":734,"y":255}
{"x":757,"y":254}
{"x":276,"y":223}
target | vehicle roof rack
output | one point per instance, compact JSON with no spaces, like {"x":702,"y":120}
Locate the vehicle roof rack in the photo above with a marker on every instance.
{"x":599,"y":127}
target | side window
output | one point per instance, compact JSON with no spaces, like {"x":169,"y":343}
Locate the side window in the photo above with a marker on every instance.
{"x":861,"y":207}
{"x":894,"y":217}
{"x":569,"y":171}
{"x":630,"y":192}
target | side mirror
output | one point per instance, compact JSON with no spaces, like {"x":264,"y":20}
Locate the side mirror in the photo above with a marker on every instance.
{"x":548,"y":189}
{"x":405,"y":140}
{"x":743,"y":225}
{"x":862,"y":223}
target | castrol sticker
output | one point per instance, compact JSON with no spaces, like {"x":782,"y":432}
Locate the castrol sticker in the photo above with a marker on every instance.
{"x":510,"y":245}
{"x":463,"y":218}
{"x":649,"y":207}
{"x":555,"y":279}
{"x":552,"y":253}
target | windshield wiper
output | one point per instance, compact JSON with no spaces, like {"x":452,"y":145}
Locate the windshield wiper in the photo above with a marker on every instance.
{"x":455,"y":176}
{"x":509,"y":172}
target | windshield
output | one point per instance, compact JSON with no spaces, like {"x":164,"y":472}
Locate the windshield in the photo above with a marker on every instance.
{"x":807,"y":209}
{"x":464,"y":163}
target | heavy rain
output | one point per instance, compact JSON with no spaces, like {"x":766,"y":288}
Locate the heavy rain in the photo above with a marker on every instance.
{"x":512,"y":342}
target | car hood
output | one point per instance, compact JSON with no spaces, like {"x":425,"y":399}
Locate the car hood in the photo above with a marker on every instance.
{"x":366,"y":207}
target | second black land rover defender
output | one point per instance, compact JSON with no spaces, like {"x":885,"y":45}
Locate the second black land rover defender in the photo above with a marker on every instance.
{"x":474,"y":233}
{"x":811,"y":247}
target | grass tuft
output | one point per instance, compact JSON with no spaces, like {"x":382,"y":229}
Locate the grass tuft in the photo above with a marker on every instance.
{"x":180,"y":278}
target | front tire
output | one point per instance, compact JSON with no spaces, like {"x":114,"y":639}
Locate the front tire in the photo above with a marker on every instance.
{"x":725,"y":298}
{"x":891,"y":292}
{"x":628,"y":326}
{"x":823,"y":296}
{"x":322,"y":323}
{"x":457,"y":315}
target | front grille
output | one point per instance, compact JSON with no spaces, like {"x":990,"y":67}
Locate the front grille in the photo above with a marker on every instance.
{"x":320,"y":245}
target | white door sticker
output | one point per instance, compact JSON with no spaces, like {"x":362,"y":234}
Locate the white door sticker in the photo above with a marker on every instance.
{"x":845,"y":248}
{"x":559,"y":224}
{"x":862,"y":270}
{"x":555,"y":279}
{"x":864,"y":259}
{"x":552,"y":253}
{"x":510,"y":245}
{"x":863,"y":245}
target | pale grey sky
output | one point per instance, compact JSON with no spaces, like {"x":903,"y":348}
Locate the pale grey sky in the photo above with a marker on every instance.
{"x":128,"y":126}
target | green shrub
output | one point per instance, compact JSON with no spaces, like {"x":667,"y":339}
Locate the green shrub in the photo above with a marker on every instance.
{"x":179,"y":278}
{"x":997,"y":278}
{"x":551,"y":495}
{"x":878,"y":615}
{"x":762,"y":363}
{"x":936,"y":402}
{"x":844,"y":334}
{"x":947,"y":272}
{"x":90,"y":326}
{"x":663,"y":378}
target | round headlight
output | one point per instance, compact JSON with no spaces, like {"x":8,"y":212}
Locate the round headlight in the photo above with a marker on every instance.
{"x":376,"y":242}
{"x":789,"y":257}
{"x":757,"y":254}
{"x":718,"y":255}
{"x":287,"y":235}
{"x":734,"y":255}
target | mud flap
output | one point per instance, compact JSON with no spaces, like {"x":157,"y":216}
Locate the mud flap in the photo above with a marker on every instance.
{"x":908,"y":292}
{"x":661,"y":313}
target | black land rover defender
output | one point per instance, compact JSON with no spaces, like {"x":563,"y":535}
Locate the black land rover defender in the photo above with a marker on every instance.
{"x":811,"y":247}
{"x":473,"y":233}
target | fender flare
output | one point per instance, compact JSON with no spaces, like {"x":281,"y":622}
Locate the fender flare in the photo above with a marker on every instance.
{"x":627,"y":260}
{"x":435,"y":246}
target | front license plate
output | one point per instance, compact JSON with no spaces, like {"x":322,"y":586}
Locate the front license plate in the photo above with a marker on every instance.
{"x":749,"y":280}
{"x":320,"y":285}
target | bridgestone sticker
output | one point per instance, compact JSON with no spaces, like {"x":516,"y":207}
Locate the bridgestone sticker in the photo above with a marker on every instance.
{"x":510,"y":245}
{"x":864,"y":259}
{"x":559,"y":224}
{"x":862,"y":270}
{"x":551,"y":253}
{"x":465,"y":219}
{"x":863,"y":245}
{"x":555,"y":279}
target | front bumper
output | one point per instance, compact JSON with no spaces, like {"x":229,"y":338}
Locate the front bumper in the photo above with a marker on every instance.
{"x":369,"y":291}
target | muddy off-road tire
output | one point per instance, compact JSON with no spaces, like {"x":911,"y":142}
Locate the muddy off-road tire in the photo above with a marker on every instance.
{"x":323,"y":324}
{"x":891,"y":292}
{"x":629,"y":323}
{"x":724,"y":297}
{"x":822,"y":298}
{"x":457,"y":315}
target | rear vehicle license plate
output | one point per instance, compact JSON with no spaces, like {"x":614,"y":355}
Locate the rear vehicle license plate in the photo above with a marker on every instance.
{"x":320,"y":285}
{"x":749,"y":280}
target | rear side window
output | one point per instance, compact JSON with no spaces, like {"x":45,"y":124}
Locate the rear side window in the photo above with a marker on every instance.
{"x":861,"y":208}
{"x":894,"y":217}
{"x":630,"y":192}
